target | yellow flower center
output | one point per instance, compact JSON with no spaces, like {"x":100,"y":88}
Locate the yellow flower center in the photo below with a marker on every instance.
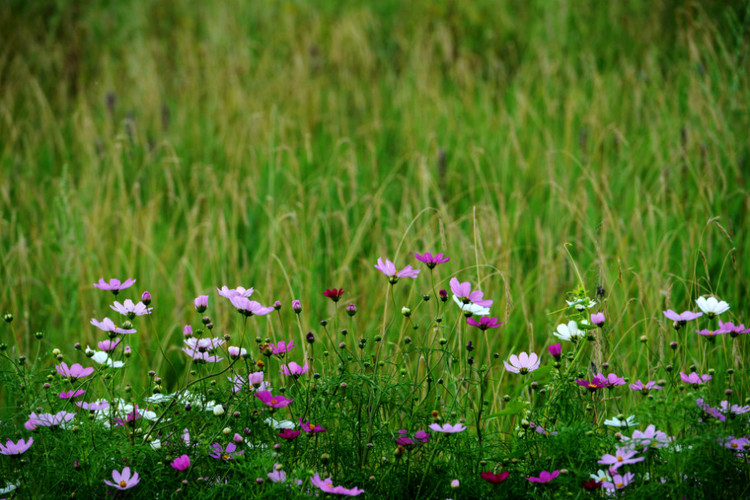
{"x":620,"y":485}
{"x":273,"y":401}
{"x":734,"y":445}
{"x":225,"y":457}
{"x":620,"y":459}
{"x":123,"y":484}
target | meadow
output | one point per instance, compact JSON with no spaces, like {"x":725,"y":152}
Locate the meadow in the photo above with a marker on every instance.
{"x":553,"y":150}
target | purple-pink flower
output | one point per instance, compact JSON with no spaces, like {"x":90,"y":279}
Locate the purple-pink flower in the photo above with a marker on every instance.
{"x":49,"y":419}
{"x":108,"y":345}
{"x":235,"y":352}
{"x":556,"y":351}
{"x":130,"y":309}
{"x":71,"y":394}
{"x":94,"y":406}
{"x":448,"y":428}
{"x":389,"y":269}
{"x":432,"y":260}
{"x":622,"y":456}
{"x":221,"y":453}
{"x":281,"y":347}
{"x":333,"y":293}
{"x":645,"y":439}
{"x":714,"y":412}
{"x":308,"y":427}
{"x":523,"y":363}
{"x":181,"y":463}
{"x":114,"y":285}
{"x":75,"y":371}
{"x":201,"y":303}
{"x":694,"y":378}
{"x":650,"y":385}
{"x":596,"y":383}
{"x":272,"y":401}
{"x":484,"y":323}
{"x":732,"y":329}
{"x":289,"y":434}
{"x":618,"y":481}
{"x":293,"y":369}
{"x":326,"y":485}
{"x":544,"y":477}
{"x":227,"y":292}
{"x":683,"y":317}
{"x":297,"y":306}
{"x":248,"y":307}
{"x":107,"y":325}
{"x":464,"y":293}
{"x":598,"y":319}
{"x":17,"y":448}
{"x":613,"y":380}
{"x":123,"y":481}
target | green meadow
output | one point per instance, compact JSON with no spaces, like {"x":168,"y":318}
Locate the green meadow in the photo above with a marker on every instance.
{"x":286,"y":145}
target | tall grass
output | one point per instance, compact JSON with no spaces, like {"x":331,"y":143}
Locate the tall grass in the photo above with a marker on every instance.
{"x":286,"y":145}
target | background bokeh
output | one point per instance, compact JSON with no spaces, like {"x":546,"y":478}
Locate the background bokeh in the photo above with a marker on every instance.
{"x":286,"y":145}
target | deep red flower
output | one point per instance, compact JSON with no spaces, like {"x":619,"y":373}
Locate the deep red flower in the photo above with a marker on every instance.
{"x":591,"y":484}
{"x":495,"y":478}
{"x":334,"y":294}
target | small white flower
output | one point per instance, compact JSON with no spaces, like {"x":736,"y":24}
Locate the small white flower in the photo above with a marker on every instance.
{"x":284,"y":424}
{"x":8,"y":488}
{"x":711,"y":305}
{"x":601,"y":476}
{"x":156,"y":444}
{"x":218,"y":410}
{"x":569,"y":332}
{"x":616,"y":422}
{"x":159,"y":398}
{"x":128,"y":308}
{"x":581,"y":304}
{"x":102,"y":358}
{"x":472,"y":308}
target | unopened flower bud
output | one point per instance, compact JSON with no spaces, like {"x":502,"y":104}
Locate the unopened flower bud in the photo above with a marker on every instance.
{"x":644,"y":339}
{"x":60,"y":357}
{"x":426,"y":297}
{"x":323,"y":323}
{"x":297,"y":306}
{"x":406,"y":311}
{"x":455,"y":484}
{"x":187,"y":331}
{"x":351,"y":309}
{"x":443,"y":295}
{"x":673,"y":346}
{"x":470,"y":346}
{"x":39,"y":335}
{"x":46,"y":385}
{"x":310,"y":337}
{"x":8,"y":317}
{"x":324,"y":458}
{"x":226,"y":430}
{"x":127,"y":351}
{"x":146,"y":298}
{"x":218,"y":410}
{"x":668,"y":368}
{"x":442,"y":341}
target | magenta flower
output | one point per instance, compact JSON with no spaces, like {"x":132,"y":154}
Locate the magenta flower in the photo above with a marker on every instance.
{"x":289,"y":434}
{"x":618,"y":481}
{"x":71,"y":394}
{"x":123,"y":481}
{"x":598,"y":319}
{"x":613,"y":380}
{"x":18,"y":448}
{"x":495,"y":478}
{"x":326,"y":485}
{"x":181,"y":463}
{"x":248,"y":307}
{"x":523,"y":363}
{"x":484,"y":322}
{"x":596,"y":383}
{"x":694,"y":379}
{"x":271,"y":400}
{"x":293,"y":369}
{"x":130,"y":309}
{"x":544,"y":477}
{"x":308,"y":427}
{"x":231,"y":292}
{"x":556,"y":351}
{"x":227,"y":453}
{"x":732,"y":329}
{"x":682,"y":318}
{"x":108,"y":345}
{"x":333,"y":294}
{"x":297,"y":306}
{"x":281,"y":347}
{"x":650,"y":385}
{"x":107,"y":325}
{"x":622,"y":456}
{"x":389,"y":269}
{"x":448,"y":428}
{"x":422,"y":436}
{"x":114,"y":285}
{"x":75,"y":371}
{"x":432,"y":260}
{"x":463,"y":292}
{"x":146,"y":298}
{"x":201,"y":303}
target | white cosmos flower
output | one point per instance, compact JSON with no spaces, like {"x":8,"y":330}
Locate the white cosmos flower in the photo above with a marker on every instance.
{"x":474,"y":309}
{"x":128,"y":308}
{"x":159,"y":398}
{"x":601,"y":476}
{"x":581,"y":304}
{"x":8,"y":488}
{"x":616,"y":422}
{"x":569,"y":332}
{"x":711,"y":305}
{"x":284,"y":424}
{"x":155,"y":444}
{"x":102,"y":358}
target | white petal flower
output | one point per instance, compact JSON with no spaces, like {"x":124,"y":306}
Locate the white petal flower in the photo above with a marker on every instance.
{"x":8,"y":488}
{"x":581,"y":304}
{"x":711,"y":305}
{"x":102,"y":357}
{"x":159,"y":398}
{"x":616,"y":422}
{"x":156,"y":444}
{"x":569,"y":332}
{"x":601,"y":476}
{"x":284,"y":424}
{"x":474,"y":309}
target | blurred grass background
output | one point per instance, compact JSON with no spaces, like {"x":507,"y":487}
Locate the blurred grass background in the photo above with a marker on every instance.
{"x":286,"y":145}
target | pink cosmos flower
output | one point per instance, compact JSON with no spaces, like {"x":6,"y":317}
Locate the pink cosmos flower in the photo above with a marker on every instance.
{"x":236,"y":352}
{"x":622,"y":456}
{"x":75,"y":371}
{"x":255,"y":379}
{"x":544,"y":477}
{"x":95,"y":406}
{"x":694,"y":379}
{"x":326,"y":485}
{"x":495,"y":478}
{"x":114,"y":285}
{"x":230,"y":292}
{"x":645,"y":439}
{"x":281,"y":347}
{"x":123,"y":481}
{"x":732,"y":329}
{"x":714,"y":412}
{"x":289,"y":434}
{"x":108,"y":345}
{"x":556,"y":351}
{"x":271,"y":400}
{"x":201,"y":303}
{"x":181,"y":463}
{"x":389,"y":269}
{"x":650,"y":385}
{"x":523,"y":363}
{"x":204,"y":344}
{"x":463,"y":292}
{"x":201,"y":357}
{"x":432,"y":260}
{"x":682,"y":318}
{"x":596,"y":383}
{"x":333,"y":294}
{"x":71,"y":394}
{"x":227,"y":453}
{"x":18,"y":448}
{"x":297,"y":306}
{"x":248,"y":307}
{"x":130,"y":309}
{"x":618,"y":481}
{"x":107,"y":325}
{"x":49,"y":419}
{"x":293,"y":369}
{"x":308,"y":427}
{"x":739,"y":445}
{"x":484,"y":322}
{"x":448,"y":428}
{"x":735,"y":409}
{"x":614,"y":380}
{"x":709,"y":334}
{"x":598,"y":319}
